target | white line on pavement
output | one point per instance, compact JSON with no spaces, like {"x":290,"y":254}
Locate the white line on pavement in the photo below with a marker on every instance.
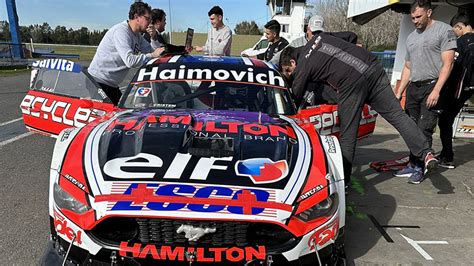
{"x":417,"y":247}
{"x":11,"y":121}
{"x":5,"y":142}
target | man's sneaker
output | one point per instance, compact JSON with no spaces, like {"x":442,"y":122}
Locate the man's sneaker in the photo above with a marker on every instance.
{"x":417,"y":177}
{"x":431,"y":163}
{"x":405,"y":172}
{"x":445,"y":163}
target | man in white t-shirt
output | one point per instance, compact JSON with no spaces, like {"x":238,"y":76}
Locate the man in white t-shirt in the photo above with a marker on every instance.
{"x":219,"y":37}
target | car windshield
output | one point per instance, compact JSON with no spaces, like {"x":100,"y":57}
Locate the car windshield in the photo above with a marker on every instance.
{"x":209,"y":95}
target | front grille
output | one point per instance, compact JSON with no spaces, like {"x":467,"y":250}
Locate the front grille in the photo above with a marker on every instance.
{"x":163,"y":231}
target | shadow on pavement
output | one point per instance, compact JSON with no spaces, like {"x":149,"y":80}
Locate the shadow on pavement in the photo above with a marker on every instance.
{"x":364,"y":199}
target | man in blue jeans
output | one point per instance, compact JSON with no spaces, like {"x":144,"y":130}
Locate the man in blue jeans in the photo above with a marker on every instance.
{"x":428,"y":64}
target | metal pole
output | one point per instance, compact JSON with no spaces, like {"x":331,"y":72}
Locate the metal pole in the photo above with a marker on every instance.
{"x":171,"y":25}
{"x":17,"y":50}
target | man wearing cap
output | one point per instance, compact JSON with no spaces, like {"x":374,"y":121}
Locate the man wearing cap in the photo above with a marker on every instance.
{"x":219,"y":37}
{"x":277,"y":43}
{"x":316,"y":26}
{"x":428,"y":64}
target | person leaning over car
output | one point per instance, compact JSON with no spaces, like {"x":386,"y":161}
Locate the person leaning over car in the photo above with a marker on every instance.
{"x":428,"y":64}
{"x":358,"y":78}
{"x":219,"y":37}
{"x":123,"y":47}
{"x":158,"y":24}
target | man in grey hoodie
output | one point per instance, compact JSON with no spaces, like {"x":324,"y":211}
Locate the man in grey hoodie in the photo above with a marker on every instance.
{"x":123,"y":47}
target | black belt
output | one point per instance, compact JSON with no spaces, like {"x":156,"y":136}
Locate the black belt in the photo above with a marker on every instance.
{"x":424,"y":82}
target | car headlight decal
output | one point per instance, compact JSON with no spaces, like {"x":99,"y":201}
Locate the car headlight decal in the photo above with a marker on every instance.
{"x":325,"y":208}
{"x":65,"y":201}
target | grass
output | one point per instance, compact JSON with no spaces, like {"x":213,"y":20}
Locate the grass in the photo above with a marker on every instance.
{"x":85,"y":53}
{"x":239,"y":43}
{"x":13,"y":70}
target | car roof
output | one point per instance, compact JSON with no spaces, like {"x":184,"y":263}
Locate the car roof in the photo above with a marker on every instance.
{"x":212,"y":61}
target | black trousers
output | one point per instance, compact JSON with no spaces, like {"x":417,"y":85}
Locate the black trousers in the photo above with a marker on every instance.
{"x":113,"y":93}
{"x":425,"y":118}
{"x":446,"y":121}
{"x":374,"y":89}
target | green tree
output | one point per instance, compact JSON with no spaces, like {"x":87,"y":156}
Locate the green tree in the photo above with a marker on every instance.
{"x":4,"y":30}
{"x":60,"y":35}
{"x":247,"y":28}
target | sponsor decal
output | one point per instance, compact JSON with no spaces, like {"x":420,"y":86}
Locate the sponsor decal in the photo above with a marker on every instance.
{"x":314,"y":46}
{"x":66,"y":134}
{"x":144,"y":166}
{"x":262,"y":170}
{"x":311,"y":192}
{"x":75,"y":182}
{"x":58,"y":64}
{"x":322,"y":236}
{"x":142,"y":92}
{"x":57,"y":111}
{"x":102,"y":93}
{"x":209,"y":129}
{"x":345,"y":57}
{"x":331,"y":144}
{"x":268,"y":77}
{"x":177,"y":197}
{"x":194,"y":254}
{"x":328,"y":123}
{"x":61,"y":227}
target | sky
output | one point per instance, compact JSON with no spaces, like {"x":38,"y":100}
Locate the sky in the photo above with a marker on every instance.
{"x":102,"y":14}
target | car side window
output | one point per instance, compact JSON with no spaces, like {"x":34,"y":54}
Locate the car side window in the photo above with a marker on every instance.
{"x":64,"y":83}
{"x":262,"y":44}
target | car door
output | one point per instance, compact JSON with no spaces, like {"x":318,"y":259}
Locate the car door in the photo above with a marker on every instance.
{"x":325,"y":119}
{"x":62,"y":95}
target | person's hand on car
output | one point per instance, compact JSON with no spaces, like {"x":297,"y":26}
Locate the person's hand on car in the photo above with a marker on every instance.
{"x":158,"y":52}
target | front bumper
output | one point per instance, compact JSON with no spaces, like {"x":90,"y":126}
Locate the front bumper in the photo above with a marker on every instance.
{"x":55,"y":255}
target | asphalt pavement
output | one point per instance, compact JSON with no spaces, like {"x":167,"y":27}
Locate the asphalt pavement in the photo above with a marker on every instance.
{"x":389,"y":222}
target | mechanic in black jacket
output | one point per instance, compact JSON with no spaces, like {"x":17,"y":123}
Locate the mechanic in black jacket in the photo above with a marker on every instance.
{"x":358,"y":78}
{"x":158,"y":23}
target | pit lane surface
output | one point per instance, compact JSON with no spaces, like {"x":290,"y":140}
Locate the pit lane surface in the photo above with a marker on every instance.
{"x":442,"y":206}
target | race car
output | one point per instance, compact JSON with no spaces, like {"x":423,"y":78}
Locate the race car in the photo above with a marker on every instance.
{"x":204,"y":160}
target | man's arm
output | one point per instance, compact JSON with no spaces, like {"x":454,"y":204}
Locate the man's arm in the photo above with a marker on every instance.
{"x":300,"y":82}
{"x":404,"y":80}
{"x":447,"y":57}
{"x":123,"y":43}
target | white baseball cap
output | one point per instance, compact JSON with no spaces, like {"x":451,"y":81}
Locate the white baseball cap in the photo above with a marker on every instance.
{"x":316,"y":23}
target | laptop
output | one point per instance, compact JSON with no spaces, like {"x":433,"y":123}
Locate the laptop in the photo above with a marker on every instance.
{"x":187,"y":44}
{"x":189,"y":39}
